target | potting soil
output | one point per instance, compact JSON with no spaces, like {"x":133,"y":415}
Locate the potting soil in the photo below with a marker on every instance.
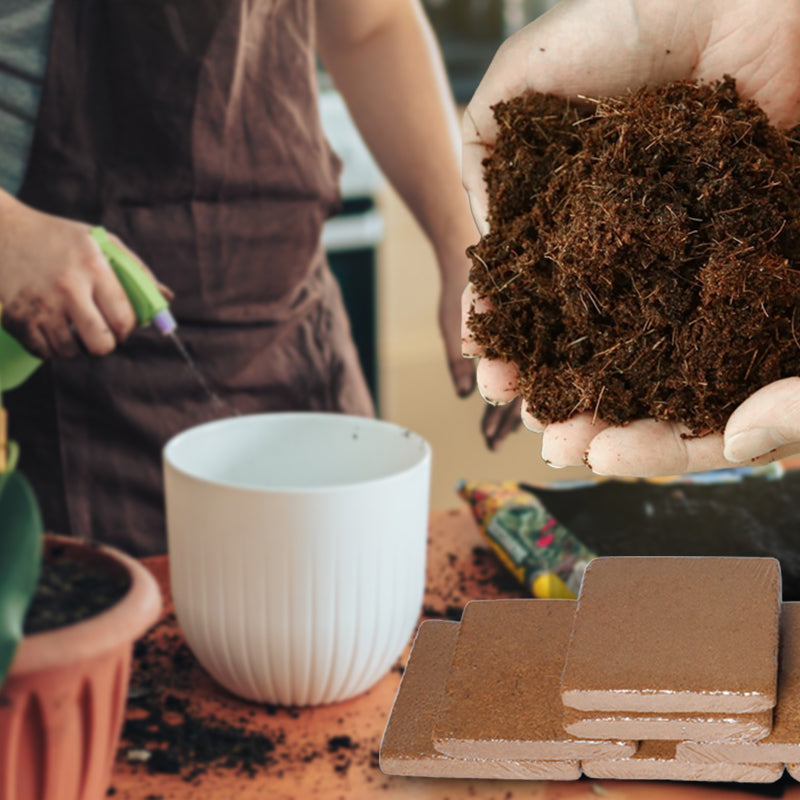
{"x":643,"y":258}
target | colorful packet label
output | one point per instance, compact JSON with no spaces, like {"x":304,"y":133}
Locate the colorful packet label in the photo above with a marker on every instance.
{"x":541,"y":553}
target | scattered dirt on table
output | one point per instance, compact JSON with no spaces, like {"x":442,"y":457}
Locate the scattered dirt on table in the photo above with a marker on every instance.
{"x":179,"y":726}
{"x":168,"y":735}
{"x":643,"y":258}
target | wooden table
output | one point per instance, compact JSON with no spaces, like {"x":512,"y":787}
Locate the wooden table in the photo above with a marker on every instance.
{"x":331,"y":752}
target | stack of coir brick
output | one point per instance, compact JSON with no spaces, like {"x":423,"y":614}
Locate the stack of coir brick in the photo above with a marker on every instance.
{"x":664,"y":668}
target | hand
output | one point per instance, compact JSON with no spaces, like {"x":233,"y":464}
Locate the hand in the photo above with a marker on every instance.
{"x":604,"y":48}
{"x":59,"y":295}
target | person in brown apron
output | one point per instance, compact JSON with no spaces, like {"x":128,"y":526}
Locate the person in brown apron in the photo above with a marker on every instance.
{"x":190,"y":130}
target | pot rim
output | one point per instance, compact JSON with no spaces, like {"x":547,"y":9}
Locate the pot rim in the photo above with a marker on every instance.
{"x":125,"y":621}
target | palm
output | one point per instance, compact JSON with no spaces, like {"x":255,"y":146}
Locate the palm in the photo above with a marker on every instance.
{"x":605,"y":47}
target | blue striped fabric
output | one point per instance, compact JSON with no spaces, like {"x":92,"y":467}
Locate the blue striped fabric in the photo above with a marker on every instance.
{"x":24,"y":29}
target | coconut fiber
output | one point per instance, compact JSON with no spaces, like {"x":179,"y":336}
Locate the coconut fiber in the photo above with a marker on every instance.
{"x":643,"y":255}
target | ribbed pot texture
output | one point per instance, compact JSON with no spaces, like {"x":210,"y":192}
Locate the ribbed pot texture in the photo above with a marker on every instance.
{"x":63,"y":701}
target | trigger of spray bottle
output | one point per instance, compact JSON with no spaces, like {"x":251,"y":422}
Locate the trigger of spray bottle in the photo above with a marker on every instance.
{"x":150,"y":306}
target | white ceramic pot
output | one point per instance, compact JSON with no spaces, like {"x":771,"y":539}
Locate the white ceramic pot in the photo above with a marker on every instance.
{"x":297,"y":547}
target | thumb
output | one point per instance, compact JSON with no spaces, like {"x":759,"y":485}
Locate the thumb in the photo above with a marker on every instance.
{"x":473,"y":152}
{"x":765,"y":421}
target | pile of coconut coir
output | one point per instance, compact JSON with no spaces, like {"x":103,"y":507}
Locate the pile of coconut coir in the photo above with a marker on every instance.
{"x":643,"y":258}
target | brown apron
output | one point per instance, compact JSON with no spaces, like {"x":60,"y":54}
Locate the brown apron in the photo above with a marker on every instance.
{"x":190,"y":129}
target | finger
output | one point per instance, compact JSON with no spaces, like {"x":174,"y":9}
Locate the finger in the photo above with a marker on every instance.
{"x":564,"y":444}
{"x":778,"y":453}
{"x":474,"y":151}
{"x":30,"y":333}
{"x":93,"y":329}
{"x":95,"y":303}
{"x":497,"y":381}
{"x":647,"y":448}
{"x":768,"y":419}
{"x":470,"y":303}
{"x":87,"y":312}
{"x":499,"y":421}
{"x":462,"y":373}
{"x":533,"y":424}
{"x":90,"y":320}
{"x":167,"y":293}
{"x":35,"y":340}
{"x":61,"y":340}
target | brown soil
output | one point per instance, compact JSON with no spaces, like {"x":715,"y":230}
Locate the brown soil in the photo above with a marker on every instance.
{"x":643,"y":255}
{"x":165,"y":732}
{"x":71,"y":590}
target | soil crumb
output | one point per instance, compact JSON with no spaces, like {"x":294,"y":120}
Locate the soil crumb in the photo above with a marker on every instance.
{"x":643,"y":255}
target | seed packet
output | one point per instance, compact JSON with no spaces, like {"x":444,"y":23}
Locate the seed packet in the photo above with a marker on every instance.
{"x":540,"y":552}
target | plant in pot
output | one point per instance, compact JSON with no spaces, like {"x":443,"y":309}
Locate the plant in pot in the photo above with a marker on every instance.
{"x":69,"y":614}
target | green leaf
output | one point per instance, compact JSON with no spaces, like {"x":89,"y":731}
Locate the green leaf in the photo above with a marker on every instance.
{"x":20,"y":560}
{"x":12,"y":456}
{"x":16,"y":363}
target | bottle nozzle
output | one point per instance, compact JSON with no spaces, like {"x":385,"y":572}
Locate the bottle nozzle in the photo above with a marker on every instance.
{"x":164,"y":321}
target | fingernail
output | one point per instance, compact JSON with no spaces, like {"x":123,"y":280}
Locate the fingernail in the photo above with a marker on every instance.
{"x":752,"y":443}
{"x":531,"y":427}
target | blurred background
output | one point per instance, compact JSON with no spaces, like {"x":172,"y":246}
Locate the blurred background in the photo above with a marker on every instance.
{"x":388,"y":275}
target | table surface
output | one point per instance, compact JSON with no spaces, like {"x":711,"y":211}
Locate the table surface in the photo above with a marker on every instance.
{"x":331,"y":751}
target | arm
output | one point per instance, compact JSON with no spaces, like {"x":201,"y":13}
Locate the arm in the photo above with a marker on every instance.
{"x":384,"y":60}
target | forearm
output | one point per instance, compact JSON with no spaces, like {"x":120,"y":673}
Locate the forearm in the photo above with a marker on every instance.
{"x":393,"y":80}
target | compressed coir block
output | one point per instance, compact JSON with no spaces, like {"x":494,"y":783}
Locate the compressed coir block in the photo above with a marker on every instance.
{"x":407,"y":747}
{"x":673,"y":726}
{"x":656,"y":760}
{"x":501,"y":698}
{"x":783,"y":742}
{"x":673,"y":634}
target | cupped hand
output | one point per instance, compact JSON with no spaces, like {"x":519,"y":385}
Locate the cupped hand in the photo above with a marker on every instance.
{"x":59,"y":295}
{"x":595,"y":48}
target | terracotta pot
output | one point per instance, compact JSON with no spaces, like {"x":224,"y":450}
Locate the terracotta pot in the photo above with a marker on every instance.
{"x":63,"y":701}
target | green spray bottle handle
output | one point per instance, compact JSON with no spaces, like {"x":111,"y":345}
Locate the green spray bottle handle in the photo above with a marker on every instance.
{"x":147,"y":301}
{"x":150,"y":306}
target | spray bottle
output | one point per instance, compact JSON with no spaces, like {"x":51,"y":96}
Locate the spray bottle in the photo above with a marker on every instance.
{"x":147,"y":301}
